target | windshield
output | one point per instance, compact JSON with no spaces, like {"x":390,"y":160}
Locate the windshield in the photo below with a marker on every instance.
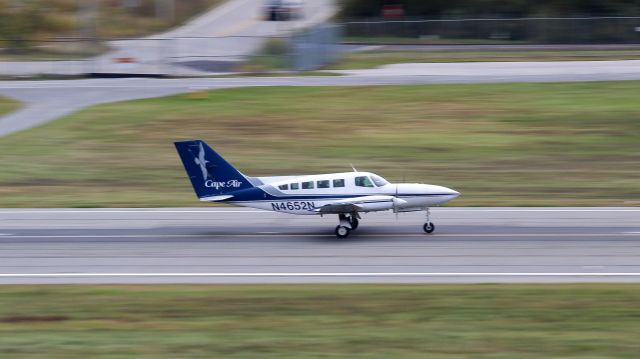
{"x":379,"y":181}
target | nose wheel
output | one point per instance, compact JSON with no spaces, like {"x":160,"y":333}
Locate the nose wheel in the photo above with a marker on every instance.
{"x":428,"y":227}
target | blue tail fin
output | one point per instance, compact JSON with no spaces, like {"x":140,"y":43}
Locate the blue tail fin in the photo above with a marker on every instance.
{"x":210,"y":174}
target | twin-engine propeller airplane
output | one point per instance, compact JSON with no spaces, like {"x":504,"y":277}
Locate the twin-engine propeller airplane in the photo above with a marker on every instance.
{"x":346,"y":194}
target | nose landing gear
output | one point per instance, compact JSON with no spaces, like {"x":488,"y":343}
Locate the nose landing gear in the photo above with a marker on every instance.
{"x":428,"y":227}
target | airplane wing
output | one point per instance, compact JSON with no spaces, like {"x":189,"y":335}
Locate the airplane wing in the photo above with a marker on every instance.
{"x":339,"y":208}
{"x":361,"y":204}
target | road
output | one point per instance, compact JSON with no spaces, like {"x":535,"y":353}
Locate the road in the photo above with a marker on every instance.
{"x":515,"y":71}
{"x":48,"y":100}
{"x":231,"y":245}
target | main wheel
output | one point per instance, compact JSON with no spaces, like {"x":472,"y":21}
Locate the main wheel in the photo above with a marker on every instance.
{"x":342,"y":232}
{"x":354,"y":223}
{"x":429,"y":227}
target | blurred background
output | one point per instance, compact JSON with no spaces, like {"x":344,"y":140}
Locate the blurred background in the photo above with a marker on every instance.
{"x":499,"y":143}
{"x":69,"y":37}
{"x":512,"y":103}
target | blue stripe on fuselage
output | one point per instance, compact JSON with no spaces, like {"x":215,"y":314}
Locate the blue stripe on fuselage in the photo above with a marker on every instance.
{"x":257,"y":194}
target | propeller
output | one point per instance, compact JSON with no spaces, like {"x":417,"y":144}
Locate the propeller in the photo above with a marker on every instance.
{"x":395,"y":203}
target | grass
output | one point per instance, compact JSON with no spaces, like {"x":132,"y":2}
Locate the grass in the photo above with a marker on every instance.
{"x":499,"y":144}
{"x":62,"y":18}
{"x":43,"y":25}
{"x":272,"y":56}
{"x":56,"y":51}
{"x":372,"y":59}
{"x":8,"y":105}
{"x":320,"y":321}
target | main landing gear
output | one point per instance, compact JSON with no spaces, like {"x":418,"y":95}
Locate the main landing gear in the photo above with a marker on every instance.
{"x":347,"y":224}
{"x":428,"y":227}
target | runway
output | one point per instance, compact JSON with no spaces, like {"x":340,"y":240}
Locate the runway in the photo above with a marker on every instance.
{"x":231,"y":245}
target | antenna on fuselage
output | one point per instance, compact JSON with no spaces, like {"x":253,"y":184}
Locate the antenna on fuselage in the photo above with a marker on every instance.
{"x":354,"y":169}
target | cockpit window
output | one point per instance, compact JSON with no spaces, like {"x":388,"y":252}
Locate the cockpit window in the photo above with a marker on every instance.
{"x":379,"y":181}
{"x":284,"y":186}
{"x":363,"y":181}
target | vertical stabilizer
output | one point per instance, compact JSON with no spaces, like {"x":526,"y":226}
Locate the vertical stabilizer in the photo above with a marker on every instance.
{"x":210,"y":174}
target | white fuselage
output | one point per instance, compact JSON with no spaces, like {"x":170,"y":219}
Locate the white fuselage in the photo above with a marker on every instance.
{"x":304,"y":194}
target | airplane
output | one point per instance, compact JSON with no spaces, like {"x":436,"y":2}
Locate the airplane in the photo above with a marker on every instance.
{"x":346,"y":194}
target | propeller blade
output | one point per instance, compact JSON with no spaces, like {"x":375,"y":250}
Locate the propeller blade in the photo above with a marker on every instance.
{"x":395,"y":203}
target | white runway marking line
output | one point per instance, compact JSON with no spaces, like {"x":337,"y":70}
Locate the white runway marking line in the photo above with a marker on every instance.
{"x":132,"y":211}
{"x":540,"y":210}
{"x":231,"y":210}
{"x":274,"y":234}
{"x":325,"y":274}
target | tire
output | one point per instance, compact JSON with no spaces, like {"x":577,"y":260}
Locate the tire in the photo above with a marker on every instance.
{"x":354,"y":223}
{"x":342,"y":232}
{"x":429,"y":227}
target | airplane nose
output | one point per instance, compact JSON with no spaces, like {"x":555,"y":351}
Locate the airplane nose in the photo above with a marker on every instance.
{"x":452,"y":193}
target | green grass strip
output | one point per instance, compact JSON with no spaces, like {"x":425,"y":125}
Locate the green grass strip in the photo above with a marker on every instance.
{"x":8,"y":105}
{"x":553,"y":144}
{"x":321,"y":321}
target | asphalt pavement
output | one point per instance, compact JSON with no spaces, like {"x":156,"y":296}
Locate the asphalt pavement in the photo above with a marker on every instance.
{"x":237,"y":245}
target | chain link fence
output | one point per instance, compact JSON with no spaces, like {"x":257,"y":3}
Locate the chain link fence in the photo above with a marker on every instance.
{"x":306,"y":49}
{"x":314,"y":47}
{"x":143,"y":56}
{"x":300,"y":50}
{"x":574,"y":30}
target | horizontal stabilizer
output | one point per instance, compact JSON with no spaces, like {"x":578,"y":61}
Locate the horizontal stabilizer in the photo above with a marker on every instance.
{"x":215,"y":198}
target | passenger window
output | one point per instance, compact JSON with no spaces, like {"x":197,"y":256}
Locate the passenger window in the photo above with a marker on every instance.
{"x":363,"y":181}
{"x":295,"y":186}
{"x":307,"y":185}
{"x":323,"y":184}
{"x":338,"y":183}
{"x":284,"y":186}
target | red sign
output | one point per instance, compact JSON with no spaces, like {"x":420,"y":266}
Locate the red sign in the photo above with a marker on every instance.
{"x":393,"y":11}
